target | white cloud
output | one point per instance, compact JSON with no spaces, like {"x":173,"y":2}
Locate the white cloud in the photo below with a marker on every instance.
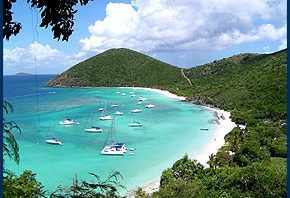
{"x":47,"y":59}
{"x":283,"y":44}
{"x":167,"y":25}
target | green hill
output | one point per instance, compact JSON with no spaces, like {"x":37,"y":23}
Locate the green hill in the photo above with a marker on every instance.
{"x":250,"y":83}
{"x":121,"y":67}
{"x":251,"y":86}
{"x":253,"y":161}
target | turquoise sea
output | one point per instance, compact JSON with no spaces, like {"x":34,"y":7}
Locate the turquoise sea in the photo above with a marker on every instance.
{"x":170,"y":130}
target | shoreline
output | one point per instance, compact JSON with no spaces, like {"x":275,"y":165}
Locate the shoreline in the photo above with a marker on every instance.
{"x":224,"y":126}
{"x":163,"y":92}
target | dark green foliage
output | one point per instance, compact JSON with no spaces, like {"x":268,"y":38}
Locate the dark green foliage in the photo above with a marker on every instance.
{"x":267,"y":179}
{"x":121,"y":67}
{"x":23,"y":186}
{"x":92,"y":189}
{"x":10,"y":146}
{"x":59,"y":14}
{"x":10,"y":27}
{"x":140,"y":194}
{"x":252,"y":86}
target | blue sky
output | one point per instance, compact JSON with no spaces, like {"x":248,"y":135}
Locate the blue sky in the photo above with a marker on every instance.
{"x":184,"y":33}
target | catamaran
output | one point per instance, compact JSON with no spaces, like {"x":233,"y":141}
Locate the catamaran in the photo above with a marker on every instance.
{"x":67,"y":121}
{"x":113,"y":148}
{"x":54,"y":141}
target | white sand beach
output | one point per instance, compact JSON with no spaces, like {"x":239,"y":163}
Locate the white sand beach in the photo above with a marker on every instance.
{"x":224,"y":126}
{"x":163,"y":92}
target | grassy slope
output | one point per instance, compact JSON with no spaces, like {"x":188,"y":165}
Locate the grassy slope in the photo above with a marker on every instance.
{"x":251,"y":86}
{"x":255,"y":84}
{"x":121,"y":67}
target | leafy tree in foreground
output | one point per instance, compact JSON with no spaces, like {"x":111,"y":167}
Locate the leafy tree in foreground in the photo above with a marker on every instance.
{"x":59,"y":14}
{"x":25,"y":185}
{"x":10,"y":146}
{"x":85,"y":189}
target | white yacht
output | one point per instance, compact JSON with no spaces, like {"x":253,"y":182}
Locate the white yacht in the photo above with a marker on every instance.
{"x":106,"y":117}
{"x":67,"y":121}
{"x":101,"y":109}
{"x":135,"y":124}
{"x":118,"y":92}
{"x":140,"y":102}
{"x":114,"y":149}
{"x":119,"y":113}
{"x":54,"y":141}
{"x":123,"y":94}
{"x":136,"y":110}
{"x":94,"y":129}
{"x":149,"y":106}
{"x":114,"y":105}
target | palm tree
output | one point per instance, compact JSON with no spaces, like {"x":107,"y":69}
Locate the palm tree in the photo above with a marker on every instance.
{"x":92,"y":189}
{"x":10,"y":146}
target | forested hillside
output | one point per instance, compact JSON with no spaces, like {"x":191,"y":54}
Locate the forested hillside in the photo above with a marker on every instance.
{"x":121,"y":67}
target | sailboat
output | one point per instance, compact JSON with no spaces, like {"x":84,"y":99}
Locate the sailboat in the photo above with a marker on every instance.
{"x":93,"y":129}
{"x":150,"y":106}
{"x":67,"y":121}
{"x":136,"y":110}
{"x":54,"y":141}
{"x":119,"y":113}
{"x":100,"y":107}
{"x":113,"y":148}
{"x":105,"y":116}
{"x":135,"y":123}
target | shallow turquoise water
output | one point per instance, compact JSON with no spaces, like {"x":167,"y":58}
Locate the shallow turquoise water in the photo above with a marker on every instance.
{"x":170,"y":130}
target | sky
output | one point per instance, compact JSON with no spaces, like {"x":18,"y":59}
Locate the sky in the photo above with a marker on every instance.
{"x":184,"y":33}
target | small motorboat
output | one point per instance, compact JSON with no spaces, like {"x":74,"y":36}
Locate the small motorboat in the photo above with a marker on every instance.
{"x":54,"y":141}
{"x":136,"y":110}
{"x":67,"y":121}
{"x":119,"y":113}
{"x":142,"y":98}
{"x":101,"y":109}
{"x":140,"y":102}
{"x":149,"y":106}
{"x":106,"y":117}
{"x":94,"y":129}
{"x":204,"y":129}
{"x":114,"y":105}
{"x":123,"y":94}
